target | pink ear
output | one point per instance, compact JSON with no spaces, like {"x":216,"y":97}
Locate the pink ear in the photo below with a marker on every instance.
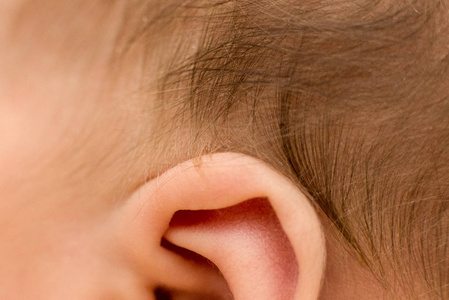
{"x":231,"y":221}
{"x":248,"y":236}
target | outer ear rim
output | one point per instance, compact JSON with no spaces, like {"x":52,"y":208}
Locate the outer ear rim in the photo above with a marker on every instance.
{"x":221,"y":180}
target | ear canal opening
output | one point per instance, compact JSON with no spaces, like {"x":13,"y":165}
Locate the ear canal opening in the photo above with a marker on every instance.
{"x":187,"y":254}
{"x":162,"y":293}
{"x":167,"y":293}
{"x":245,"y":242}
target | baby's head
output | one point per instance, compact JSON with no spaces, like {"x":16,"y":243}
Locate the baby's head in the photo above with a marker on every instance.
{"x":223,"y":149}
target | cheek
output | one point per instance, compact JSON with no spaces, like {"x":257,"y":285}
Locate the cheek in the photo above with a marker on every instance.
{"x":65,"y":147}
{"x":35,"y":126}
{"x":52,"y":70}
{"x":58,"y":151}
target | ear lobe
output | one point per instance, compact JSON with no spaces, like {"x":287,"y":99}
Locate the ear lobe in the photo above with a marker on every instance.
{"x":251,"y":222}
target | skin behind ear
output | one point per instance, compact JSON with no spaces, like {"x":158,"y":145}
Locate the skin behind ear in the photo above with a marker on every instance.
{"x":227,"y":228}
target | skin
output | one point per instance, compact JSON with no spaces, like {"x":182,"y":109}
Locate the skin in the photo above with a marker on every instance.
{"x":57,"y":182}
{"x":73,"y":150}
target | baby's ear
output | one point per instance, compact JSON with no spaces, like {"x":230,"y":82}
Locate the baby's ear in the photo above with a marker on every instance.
{"x":224,"y":227}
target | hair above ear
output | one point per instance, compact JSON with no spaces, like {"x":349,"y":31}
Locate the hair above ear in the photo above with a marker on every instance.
{"x":258,"y":234}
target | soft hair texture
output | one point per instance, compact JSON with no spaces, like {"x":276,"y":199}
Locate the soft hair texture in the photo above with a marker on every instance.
{"x":349,"y":99}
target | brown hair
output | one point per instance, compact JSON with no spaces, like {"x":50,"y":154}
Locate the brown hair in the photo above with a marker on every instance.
{"x":349,"y":99}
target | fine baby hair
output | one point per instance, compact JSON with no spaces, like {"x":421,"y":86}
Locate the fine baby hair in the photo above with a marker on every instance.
{"x":224,"y":149}
{"x":348,"y":99}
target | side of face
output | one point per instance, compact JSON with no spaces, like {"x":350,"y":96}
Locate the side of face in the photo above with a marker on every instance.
{"x":84,"y":213}
{"x":66,"y":146}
